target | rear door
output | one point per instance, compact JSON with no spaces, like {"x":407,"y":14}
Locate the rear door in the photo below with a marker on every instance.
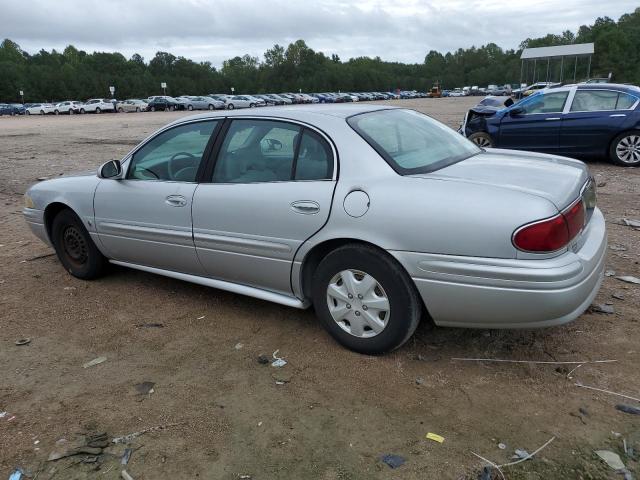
{"x":594,"y":118}
{"x":270,"y":190}
{"x":537,"y":127}
{"x":145,"y":218}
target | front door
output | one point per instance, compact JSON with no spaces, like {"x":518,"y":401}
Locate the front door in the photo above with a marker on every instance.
{"x":145,"y":218}
{"x":537,"y":126}
{"x":270,"y":190}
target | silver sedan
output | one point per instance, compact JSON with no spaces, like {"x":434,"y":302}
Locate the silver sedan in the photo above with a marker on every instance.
{"x":378,"y":217}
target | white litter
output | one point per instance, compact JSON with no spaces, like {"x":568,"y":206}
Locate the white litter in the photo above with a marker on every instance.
{"x":278,"y":362}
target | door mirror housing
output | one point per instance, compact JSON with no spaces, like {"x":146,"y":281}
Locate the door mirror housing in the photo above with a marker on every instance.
{"x":111,"y":169}
{"x":516,"y":111}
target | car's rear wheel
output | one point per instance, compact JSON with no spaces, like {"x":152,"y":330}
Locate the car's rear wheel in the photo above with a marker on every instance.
{"x":365,"y":299}
{"x":41,"y":112}
{"x":70,"y":112}
{"x":482,"y":139}
{"x":82,"y":111}
{"x":252,"y":105}
{"x":27,"y":112}
{"x":57,"y":112}
{"x":211,"y":107}
{"x":98,"y":110}
{"x":625,"y":149}
{"x":230,"y":106}
{"x":137,"y":109}
{"x":190,"y":107}
{"x":153,"y":109}
{"x":121,"y":110}
{"x":74,"y":247}
{"x":171,"y":108}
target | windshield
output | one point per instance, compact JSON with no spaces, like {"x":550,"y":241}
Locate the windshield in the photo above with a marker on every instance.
{"x":412,"y":142}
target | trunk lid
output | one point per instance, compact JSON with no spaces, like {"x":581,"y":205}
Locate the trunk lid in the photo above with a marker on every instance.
{"x":557,"y":179}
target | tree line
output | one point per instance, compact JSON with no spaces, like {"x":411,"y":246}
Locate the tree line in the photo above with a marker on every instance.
{"x":76,"y":74}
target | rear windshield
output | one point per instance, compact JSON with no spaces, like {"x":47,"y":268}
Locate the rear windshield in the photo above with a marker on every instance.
{"x":412,"y":142}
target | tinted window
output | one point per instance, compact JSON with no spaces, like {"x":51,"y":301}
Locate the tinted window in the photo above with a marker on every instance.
{"x":174,"y":155}
{"x":591,"y":101}
{"x":410,"y":141}
{"x":546,"y":103}
{"x":257,"y":151}
{"x":315,"y":159}
{"x":625,"y":101}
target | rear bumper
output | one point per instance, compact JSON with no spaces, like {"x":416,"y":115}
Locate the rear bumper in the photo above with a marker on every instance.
{"x":475,"y":292}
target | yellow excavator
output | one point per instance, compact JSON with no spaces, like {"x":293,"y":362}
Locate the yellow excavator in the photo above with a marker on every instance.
{"x":435,"y":92}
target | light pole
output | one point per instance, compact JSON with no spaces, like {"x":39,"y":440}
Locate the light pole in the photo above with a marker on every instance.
{"x":22,"y":96}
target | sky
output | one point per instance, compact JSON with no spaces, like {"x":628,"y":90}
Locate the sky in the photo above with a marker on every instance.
{"x":215,"y":30}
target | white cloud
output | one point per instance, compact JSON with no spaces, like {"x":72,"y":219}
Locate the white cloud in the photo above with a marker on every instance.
{"x":215,"y":30}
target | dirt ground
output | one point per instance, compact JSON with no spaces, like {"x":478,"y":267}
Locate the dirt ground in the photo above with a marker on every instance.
{"x":337,"y":412}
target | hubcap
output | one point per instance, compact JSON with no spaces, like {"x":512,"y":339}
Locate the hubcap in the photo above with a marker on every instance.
{"x":75,"y":245}
{"x":482,"y":142}
{"x":628,"y":149}
{"x":358,"y":303}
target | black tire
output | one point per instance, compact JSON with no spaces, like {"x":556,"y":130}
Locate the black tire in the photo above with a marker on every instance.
{"x":70,"y":112}
{"x":252,"y":105}
{"x":211,"y":107}
{"x":190,"y":107}
{"x":75,"y":248}
{"x":482,"y":139}
{"x":405,"y":306}
{"x":137,"y":109}
{"x":152,"y":108}
{"x":98,"y":110}
{"x":171,"y":108}
{"x":120,"y":110}
{"x":82,"y":111}
{"x":41,"y":112}
{"x":56,"y":112}
{"x":230,"y":106}
{"x":632,"y":137}
{"x":27,"y":112}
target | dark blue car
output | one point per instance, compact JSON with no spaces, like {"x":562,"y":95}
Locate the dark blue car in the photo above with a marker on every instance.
{"x":586,"y":120}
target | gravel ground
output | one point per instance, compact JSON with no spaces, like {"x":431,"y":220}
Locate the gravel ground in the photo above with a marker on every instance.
{"x":336,"y":412}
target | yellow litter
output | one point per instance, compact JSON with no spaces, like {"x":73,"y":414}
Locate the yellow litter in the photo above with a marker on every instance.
{"x":435,"y":437}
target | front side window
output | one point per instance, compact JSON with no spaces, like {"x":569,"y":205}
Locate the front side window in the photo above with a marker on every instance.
{"x":545,"y":103}
{"x":410,"y":141}
{"x":594,"y":100}
{"x":257,"y":151}
{"x":174,"y":155}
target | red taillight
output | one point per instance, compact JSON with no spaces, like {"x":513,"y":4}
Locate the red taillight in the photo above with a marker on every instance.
{"x":553,"y":233}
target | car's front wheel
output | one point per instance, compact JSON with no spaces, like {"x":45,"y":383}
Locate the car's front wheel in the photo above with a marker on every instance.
{"x":120,"y":110}
{"x":74,"y":247}
{"x":82,"y":111}
{"x":230,"y":106}
{"x":365,"y":299}
{"x":482,"y":139}
{"x":171,"y":108}
{"x":190,"y":107}
{"x":211,"y":107}
{"x":57,"y":112}
{"x":625,"y":149}
{"x":98,"y":110}
{"x":152,"y":108}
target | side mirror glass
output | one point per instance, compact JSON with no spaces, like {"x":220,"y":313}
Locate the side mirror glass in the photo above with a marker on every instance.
{"x":111,"y":169}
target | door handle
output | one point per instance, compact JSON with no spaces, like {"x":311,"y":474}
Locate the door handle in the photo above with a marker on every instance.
{"x":175,"y":201}
{"x":552,"y":118}
{"x":618,"y":115}
{"x":306,"y":207}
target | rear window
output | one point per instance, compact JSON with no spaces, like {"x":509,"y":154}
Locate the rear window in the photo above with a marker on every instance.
{"x":410,"y":141}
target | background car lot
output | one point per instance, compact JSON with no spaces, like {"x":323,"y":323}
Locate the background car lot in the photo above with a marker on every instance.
{"x":339,"y":411}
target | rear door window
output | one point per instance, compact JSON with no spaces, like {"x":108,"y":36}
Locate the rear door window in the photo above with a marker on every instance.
{"x":594,"y":100}
{"x":625,"y":101}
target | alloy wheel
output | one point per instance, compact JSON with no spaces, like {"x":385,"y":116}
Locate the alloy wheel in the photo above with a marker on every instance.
{"x":628,"y":149}
{"x":358,"y":303}
{"x":482,"y":142}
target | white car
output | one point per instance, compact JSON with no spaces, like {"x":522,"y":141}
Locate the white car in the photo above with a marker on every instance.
{"x":240,"y":101}
{"x":69,"y":107}
{"x":97,"y":105}
{"x":40,"y":109}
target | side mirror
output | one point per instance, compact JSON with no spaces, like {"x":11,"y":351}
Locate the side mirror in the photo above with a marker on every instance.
{"x":111,"y":169}
{"x":516,"y":111}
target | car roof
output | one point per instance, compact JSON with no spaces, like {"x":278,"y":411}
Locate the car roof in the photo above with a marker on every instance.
{"x":615,"y":86}
{"x":304,"y":113}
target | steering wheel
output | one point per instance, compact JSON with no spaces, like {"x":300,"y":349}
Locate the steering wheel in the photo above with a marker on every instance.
{"x":171,"y":167}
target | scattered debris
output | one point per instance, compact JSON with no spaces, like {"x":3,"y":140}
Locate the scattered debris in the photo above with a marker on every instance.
{"x":529,"y":361}
{"x":263,"y":359}
{"x":3,"y":414}
{"x":278,"y":362}
{"x":38,"y":257}
{"x":629,"y":279}
{"x":16,"y":475}
{"x":134,"y":435}
{"x":602,"y":308}
{"x":125,"y":475}
{"x":601,"y":184}
{"x":150,"y":325}
{"x":578,"y":384}
{"x":522,"y":456}
{"x":612,"y":459}
{"x":486,"y":473}
{"x":628,"y":409}
{"x":618,"y":248}
{"x":394,"y":461}
{"x":520,"y":453}
{"x":618,"y":296}
{"x":200,"y":318}
{"x":238,"y":346}
{"x":145,"y":388}
{"x":609,"y":273}
{"x":281,"y":377}
{"x":583,"y":411}
{"x":95,"y":361}
{"x":126,"y":456}
{"x":88,"y":444}
{"x":435,"y":437}
{"x":23,"y":341}
{"x":629,"y":222}
{"x":502,"y":446}
{"x":419,"y":381}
